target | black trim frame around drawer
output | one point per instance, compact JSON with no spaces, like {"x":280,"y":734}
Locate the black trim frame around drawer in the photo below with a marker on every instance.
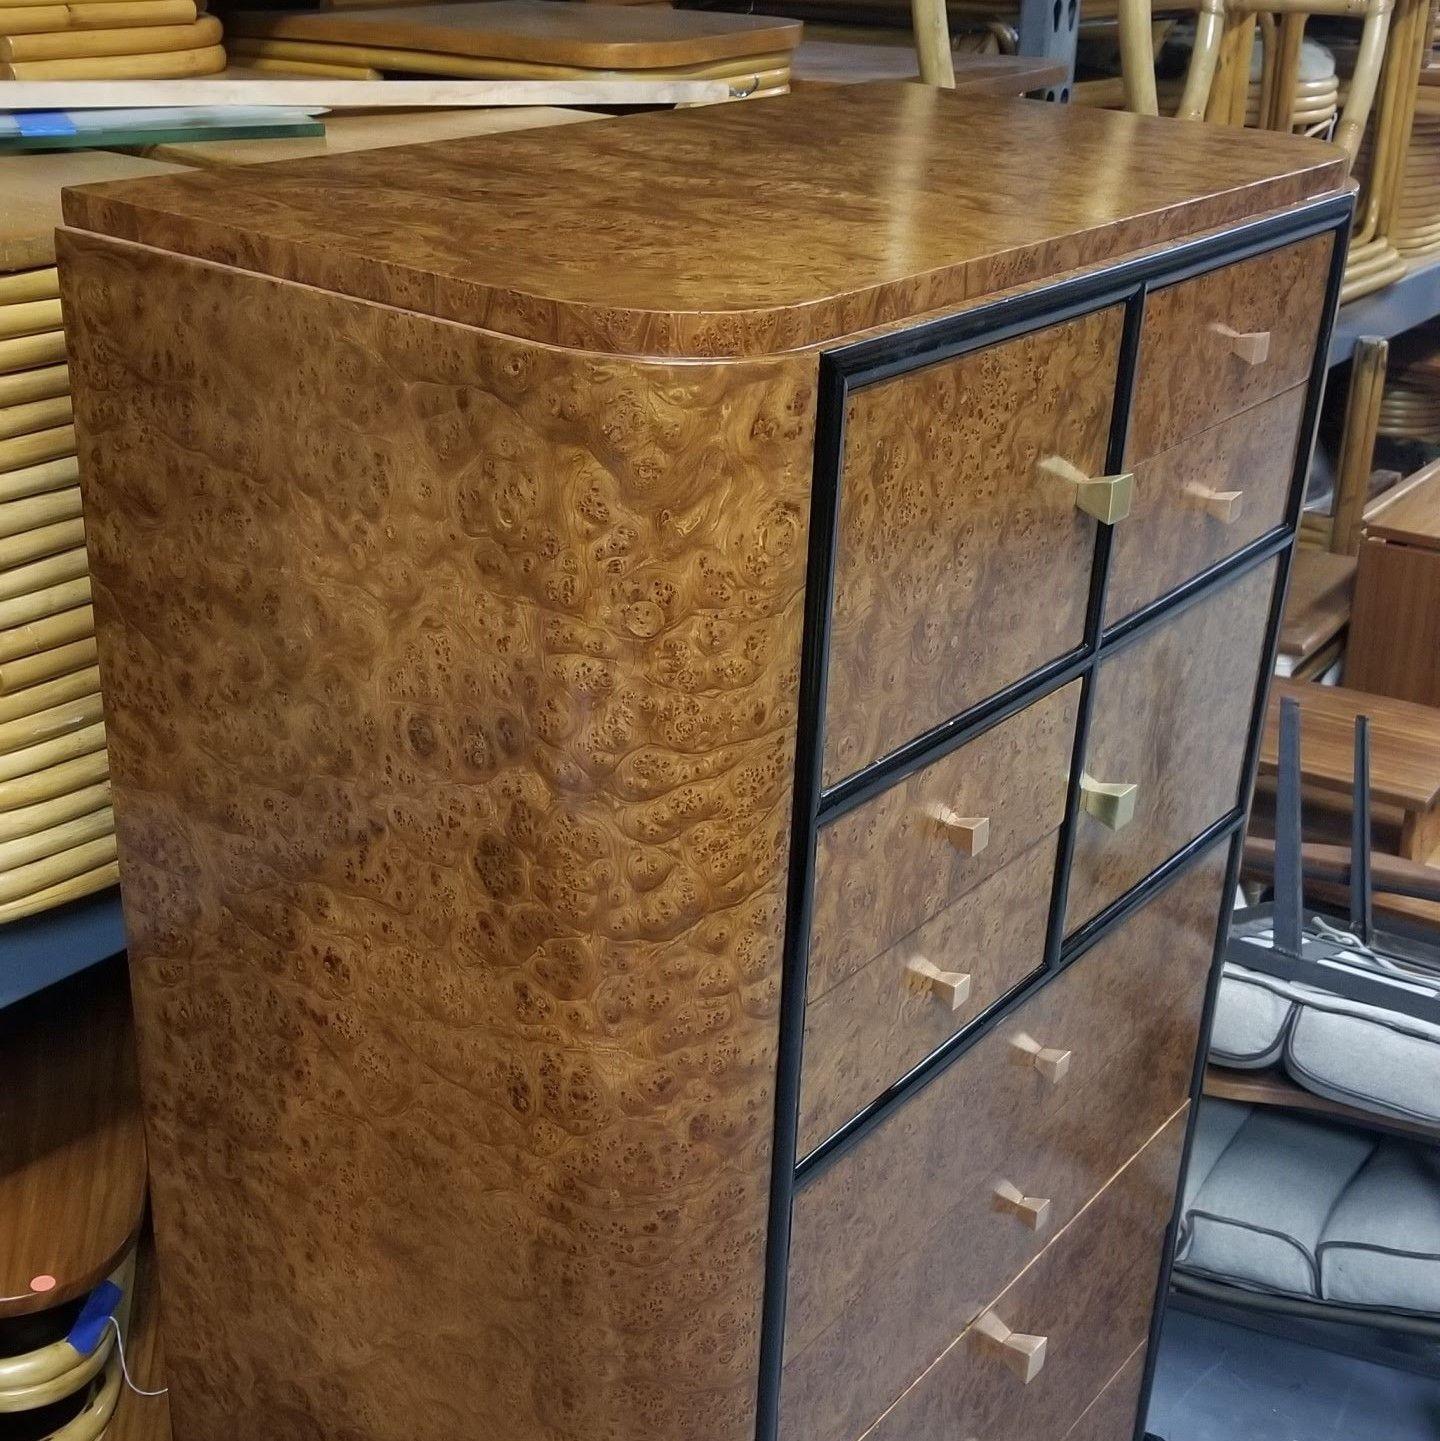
{"x":868,"y":362}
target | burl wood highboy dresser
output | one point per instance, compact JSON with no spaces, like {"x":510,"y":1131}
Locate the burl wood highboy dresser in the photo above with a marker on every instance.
{"x":680,"y":694}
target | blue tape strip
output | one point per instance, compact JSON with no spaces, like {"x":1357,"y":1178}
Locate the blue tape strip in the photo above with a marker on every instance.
{"x":45,"y":122}
{"x":90,"y":1325}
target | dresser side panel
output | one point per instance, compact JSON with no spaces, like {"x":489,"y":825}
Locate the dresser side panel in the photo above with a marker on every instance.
{"x":451,"y":691}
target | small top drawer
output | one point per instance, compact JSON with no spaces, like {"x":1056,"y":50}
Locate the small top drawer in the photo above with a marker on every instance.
{"x":1216,"y":345}
{"x":960,"y":522}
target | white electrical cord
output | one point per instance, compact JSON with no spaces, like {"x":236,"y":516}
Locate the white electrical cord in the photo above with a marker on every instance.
{"x":125,"y":1368}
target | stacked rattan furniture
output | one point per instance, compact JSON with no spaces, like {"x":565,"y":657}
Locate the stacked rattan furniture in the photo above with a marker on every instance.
{"x":108,"y":40}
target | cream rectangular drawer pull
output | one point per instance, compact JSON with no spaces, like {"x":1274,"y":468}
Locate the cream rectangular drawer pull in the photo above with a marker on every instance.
{"x":1112,"y":803}
{"x":1034,"y":1211}
{"x":968,"y":834}
{"x":951,"y":987}
{"x":1107,"y":497}
{"x":1053,"y":1064}
{"x":1226,"y":506}
{"x":1024,"y":1355}
{"x":1251,"y":346}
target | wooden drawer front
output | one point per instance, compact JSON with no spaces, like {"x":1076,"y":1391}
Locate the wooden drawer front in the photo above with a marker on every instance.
{"x":899,"y":1244}
{"x":1172,"y":714}
{"x":1090,"y":1296}
{"x":952,"y":534}
{"x":1203,"y":500}
{"x":1216,"y":345}
{"x":865,"y":1033}
{"x":1112,"y":1414}
{"x":889,"y":866}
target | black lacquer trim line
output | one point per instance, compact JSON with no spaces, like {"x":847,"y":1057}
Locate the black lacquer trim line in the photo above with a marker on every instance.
{"x":809,"y":759}
{"x":943,"y":1057}
{"x":1309,"y":425}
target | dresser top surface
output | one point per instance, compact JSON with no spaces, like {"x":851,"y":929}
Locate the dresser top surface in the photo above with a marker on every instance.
{"x":728,"y":230}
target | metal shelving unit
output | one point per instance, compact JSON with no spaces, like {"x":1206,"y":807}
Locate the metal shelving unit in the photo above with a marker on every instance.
{"x":1390,"y":312}
{"x":37,"y":952}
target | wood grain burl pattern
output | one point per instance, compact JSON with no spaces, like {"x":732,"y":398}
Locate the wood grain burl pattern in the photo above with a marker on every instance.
{"x":1184,"y":519}
{"x":1016,"y":774}
{"x":961,"y":563}
{"x":1191,"y":375}
{"x":863,"y":1034}
{"x":864,"y":218}
{"x":451,"y":693}
{"x":898,"y":1244}
{"x":1111,"y":1415}
{"x":1172,"y":714}
{"x":1090,"y":1295}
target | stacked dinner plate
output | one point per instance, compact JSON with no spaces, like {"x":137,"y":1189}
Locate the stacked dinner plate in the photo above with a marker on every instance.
{"x":56,"y":829}
{"x":107,"y":40}
{"x":521,"y":40}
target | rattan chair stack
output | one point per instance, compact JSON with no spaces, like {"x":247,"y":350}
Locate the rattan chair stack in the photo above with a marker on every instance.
{"x":108,"y":40}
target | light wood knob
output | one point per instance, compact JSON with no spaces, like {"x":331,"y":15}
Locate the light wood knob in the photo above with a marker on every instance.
{"x":951,"y":987}
{"x":968,"y":834}
{"x":1112,"y":803}
{"x":1251,"y":346}
{"x":1226,"y":506}
{"x":1024,"y":1355}
{"x":1034,"y":1211}
{"x":1107,"y":497}
{"x":1052,"y":1063}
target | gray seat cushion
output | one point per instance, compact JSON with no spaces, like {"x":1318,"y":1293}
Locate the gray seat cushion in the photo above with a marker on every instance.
{"x":1252,"y":1015}
{"x":1381,"y":1247}
{"x":1260,"y":1214}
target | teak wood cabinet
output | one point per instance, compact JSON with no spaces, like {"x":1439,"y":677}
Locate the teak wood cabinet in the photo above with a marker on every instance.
{"x":681,"y":692}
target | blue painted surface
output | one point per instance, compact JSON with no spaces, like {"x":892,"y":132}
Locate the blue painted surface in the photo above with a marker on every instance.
{"x":1216,"y":1382}
{"x":43,"y":949}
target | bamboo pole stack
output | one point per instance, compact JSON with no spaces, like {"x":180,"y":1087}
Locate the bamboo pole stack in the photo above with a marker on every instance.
{"x":108,"y":40}
{"x":57,"y":838}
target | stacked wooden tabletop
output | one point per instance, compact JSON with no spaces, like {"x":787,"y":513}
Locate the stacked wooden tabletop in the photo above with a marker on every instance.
{"x":107,"y":40}
{"x":519,"y":39}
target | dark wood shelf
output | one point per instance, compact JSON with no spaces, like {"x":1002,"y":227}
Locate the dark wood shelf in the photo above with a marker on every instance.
{"x":1272,"y":1088}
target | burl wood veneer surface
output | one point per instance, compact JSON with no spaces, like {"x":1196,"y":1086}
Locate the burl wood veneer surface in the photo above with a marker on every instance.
{"x":450,"y":687}
{"x":72,"y":1143}
{"x":1090,"y":1295}
{"x":732,"y":229}
{"x":1015,"y":774}
{"x":1169,"y":534}
{"x":961,"y":564}
{"x":1172,"y":715}
{"x":1189,"y":377}
{"x":899,"y":1244}
{"x":551,"y":32}
{"x":1111,"y":1415}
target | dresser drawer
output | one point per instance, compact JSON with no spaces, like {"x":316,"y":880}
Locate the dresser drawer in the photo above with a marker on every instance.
{"x":900,"y":1242}
{"x":1112,"y":1414}
{"x":890,"y":865}
{"x":1220,"y":343}
{"x":1078,"y":1312}
{"x":953,"y":533}
{"x":1203,"y":500}
{"x":1171,"y":718}
{"x":863,"y":1034}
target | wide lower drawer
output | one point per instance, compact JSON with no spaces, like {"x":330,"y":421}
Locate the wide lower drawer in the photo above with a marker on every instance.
{"x":1030,"y":1364}
{"x":1203,"y":500}
{"x":1224,"y":341}
{"x":1166,"y":746}
{"x":899,"y":1243}
{"x":957,"y":525}
{"x":1112,"y":1414}
{"x":900,"y":859}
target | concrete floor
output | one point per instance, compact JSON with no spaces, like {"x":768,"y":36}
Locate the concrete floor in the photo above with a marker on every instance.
{"x":1217,"y":1382}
